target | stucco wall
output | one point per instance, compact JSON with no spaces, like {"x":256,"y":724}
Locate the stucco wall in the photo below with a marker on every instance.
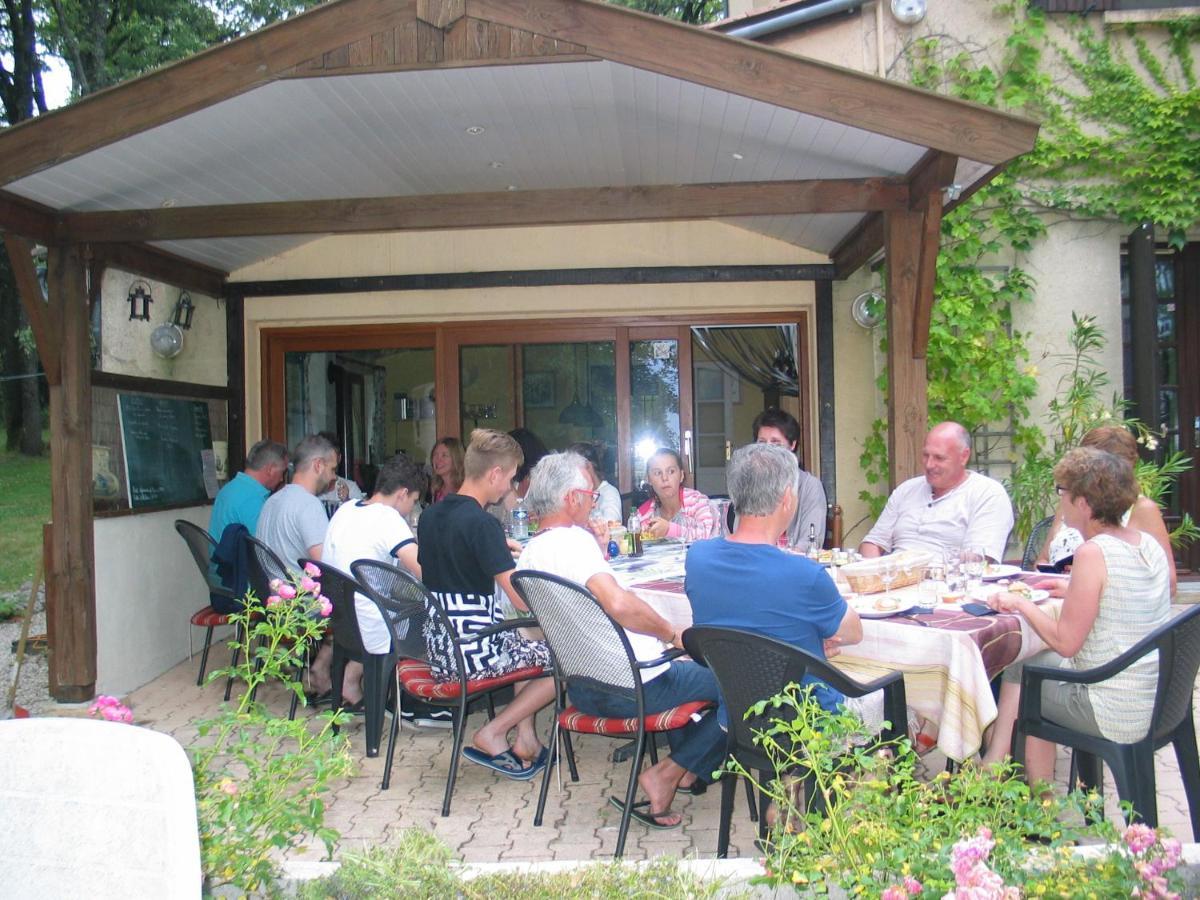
{"x":147,"y":588}
{"x":125,"y":344}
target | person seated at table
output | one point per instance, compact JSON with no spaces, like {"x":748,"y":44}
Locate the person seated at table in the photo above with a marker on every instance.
{"x":774,"y":426}
{"x":1144,"y":515}
{"x":377,"y":528}
{"x":946,"y":508}
{"x":791,"y":598}
{"x":446,"y":466}
{"x":532,"y":450}
{"x":562,"y":496}
{"x":608,"y":506}
{"x":674,"y":511}
{"x":1118,"y":593}
{"x":465,"y":561}
{"x":343,"y":489}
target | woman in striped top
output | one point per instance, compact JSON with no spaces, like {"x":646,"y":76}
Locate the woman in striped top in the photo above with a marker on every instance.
{"x":1118,"y":593}
{"x":674,"y":511}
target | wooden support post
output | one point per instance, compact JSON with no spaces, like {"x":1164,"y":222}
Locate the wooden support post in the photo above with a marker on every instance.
{"x":908,"y":409}
{"x":70,"y":582}
{"x":1143,"y":325}
{"x":235,"y":367}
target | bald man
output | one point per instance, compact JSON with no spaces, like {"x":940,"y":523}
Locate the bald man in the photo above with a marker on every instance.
{"x":946,"y":508}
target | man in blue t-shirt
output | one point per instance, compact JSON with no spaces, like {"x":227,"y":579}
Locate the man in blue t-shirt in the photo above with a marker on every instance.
{"x":745,"y":581}
{"x":242,"y":499}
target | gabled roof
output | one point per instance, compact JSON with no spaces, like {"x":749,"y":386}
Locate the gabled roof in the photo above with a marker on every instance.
{"x":395,"y":114}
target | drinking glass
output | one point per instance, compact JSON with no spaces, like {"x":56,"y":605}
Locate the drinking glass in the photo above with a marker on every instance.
{"x":887,"y":574}
{"x":973,"y":562}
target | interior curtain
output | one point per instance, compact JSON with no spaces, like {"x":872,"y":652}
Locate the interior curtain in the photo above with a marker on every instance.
{"x":764,"y":355}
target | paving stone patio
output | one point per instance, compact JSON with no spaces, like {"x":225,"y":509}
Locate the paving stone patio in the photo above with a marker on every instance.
{"x":491,"y":818}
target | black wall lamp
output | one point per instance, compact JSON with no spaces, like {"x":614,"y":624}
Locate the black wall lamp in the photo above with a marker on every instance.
{"x":139,"y":301}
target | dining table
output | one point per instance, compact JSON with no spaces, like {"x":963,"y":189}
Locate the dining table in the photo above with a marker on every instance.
{"x":948,"y":656}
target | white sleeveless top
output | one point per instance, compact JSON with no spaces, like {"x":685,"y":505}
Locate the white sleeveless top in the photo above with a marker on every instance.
{"x":1136,"y":600}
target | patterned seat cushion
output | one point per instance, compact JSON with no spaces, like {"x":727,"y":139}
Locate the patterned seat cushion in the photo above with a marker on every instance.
{"x":417,"y":678}
{"x":209,"y":617}
{"x":675,"y":717}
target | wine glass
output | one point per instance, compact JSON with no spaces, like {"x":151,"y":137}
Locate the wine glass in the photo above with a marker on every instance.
{"x":973,"y":560}
{"x":887,"y":574}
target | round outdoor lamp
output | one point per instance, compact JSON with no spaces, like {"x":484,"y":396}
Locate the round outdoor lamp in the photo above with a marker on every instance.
{"x":167,"y":340}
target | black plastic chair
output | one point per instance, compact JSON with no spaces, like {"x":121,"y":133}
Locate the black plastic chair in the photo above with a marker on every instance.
{"x":586,"y":644}
{"x":201,"y":545}
{"x":1132,"y":765}
{"x":750,"y":668}
{"x":264,"y":566}
{"x":340,"y":588}
{"x":631,"y":500}
{"x":416,"y":618}
{"x":1033,"y":546}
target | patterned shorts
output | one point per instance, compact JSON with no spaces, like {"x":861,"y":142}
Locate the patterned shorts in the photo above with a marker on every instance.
{"x":510,"y":653}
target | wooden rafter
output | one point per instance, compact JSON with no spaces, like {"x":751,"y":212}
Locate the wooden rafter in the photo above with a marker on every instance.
{"x":933,"y":175}
{"x":46,"y":330}
{"x":160,"y":265}
{"x":856,"y":248}
{"x":491,"y":209}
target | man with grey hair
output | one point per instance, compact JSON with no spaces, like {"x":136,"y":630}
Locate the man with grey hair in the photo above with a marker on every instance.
{"x":241,"y":500}
{"x":946,"y":508}
{"x":791,"y":599}
{"x":562,"y":493}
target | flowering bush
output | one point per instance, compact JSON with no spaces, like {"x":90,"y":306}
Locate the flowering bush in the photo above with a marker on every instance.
{"x":110,"y":709}
{"x":259,"y":777}
{"x":974,"y":835}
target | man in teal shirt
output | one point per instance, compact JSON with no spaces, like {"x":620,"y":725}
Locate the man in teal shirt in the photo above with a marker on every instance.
{"x":242,"y":499}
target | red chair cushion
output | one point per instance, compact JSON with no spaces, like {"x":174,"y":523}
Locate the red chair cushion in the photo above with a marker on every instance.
{"x":417,"y":678}
{"x":209,"y":618}
{"x":675,"y":717}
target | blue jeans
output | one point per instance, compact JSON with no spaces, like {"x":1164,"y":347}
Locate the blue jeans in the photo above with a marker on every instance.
{"x":698,"y":747}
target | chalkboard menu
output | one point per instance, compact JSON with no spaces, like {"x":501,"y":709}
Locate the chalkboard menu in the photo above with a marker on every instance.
{"x":168,"y":450}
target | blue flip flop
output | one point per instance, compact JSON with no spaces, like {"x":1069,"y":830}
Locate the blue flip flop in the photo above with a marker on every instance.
{"x":507,"y":763}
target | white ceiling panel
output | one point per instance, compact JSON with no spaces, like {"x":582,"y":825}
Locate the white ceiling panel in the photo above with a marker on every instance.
{"x":554,"y":125}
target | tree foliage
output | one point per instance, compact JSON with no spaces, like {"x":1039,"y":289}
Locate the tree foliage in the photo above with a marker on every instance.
{"x":693,"y":12}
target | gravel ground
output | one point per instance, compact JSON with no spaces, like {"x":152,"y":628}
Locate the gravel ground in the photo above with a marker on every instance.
{"x":33,"y":691}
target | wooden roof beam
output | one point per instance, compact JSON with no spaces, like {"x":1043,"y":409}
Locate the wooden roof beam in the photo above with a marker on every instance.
{"x":46,"y":329}
{"x":491,"y":209}
{"x":773,"y":76}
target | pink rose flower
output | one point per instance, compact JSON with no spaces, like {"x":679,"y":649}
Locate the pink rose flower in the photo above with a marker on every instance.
{"x":287,"y":592}
{"x":309,"y":585}
{"x":275,"y":583}
{"x":913,"y":886}
{"x":1139,"y":837}
{"x":894,"y":893}
{"x":311,"y":570}
{"x":228,"y":786}
{"x":326,"y":607}
{"x":273,"y":601}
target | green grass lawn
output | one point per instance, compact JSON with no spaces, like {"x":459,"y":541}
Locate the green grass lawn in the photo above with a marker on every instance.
{"x":24,"y":507}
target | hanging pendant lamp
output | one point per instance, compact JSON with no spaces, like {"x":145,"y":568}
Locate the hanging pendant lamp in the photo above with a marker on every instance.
{"x":580,"y":414}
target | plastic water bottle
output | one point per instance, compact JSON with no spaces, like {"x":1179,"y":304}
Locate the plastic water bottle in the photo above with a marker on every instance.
{"x":520,"y":521}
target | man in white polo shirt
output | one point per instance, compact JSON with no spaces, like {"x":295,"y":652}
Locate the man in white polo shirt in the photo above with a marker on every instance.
{"x":946,"y":508}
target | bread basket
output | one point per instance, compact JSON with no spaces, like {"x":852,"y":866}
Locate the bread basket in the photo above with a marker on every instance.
{"x":863,"y":577}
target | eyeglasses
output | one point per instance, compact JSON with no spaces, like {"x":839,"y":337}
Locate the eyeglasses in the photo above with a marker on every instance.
{"x":1060,"y":490}
{"x":595,"y":495}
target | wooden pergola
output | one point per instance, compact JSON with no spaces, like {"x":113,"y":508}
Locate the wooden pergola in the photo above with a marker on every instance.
{"x":349,"y":119}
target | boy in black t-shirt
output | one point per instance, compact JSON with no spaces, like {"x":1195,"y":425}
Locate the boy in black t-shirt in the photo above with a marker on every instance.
{"x":464,"y":558}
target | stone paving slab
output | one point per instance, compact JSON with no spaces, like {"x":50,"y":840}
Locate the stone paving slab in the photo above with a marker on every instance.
{"x":491,"y":817}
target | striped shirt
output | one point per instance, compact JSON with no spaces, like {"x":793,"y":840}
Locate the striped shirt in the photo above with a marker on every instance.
{"x":1135,"y":601}
{"x":695,"y":520}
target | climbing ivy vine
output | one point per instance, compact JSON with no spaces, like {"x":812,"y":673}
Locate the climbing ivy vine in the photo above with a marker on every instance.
{"x":1120,"y":139}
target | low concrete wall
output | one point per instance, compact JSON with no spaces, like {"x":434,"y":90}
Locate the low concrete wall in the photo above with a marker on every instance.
{"x":147,"y":588}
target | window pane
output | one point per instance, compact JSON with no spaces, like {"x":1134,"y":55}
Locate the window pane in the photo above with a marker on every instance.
{"x":1168,"y":404}
{"x":654,"y":416}
{"x":1169,"y":371}
{"x":1166,"y":321}
{"x":411,"y":408}
{"x":486,"y":389}
{"x":1164,"y":277}
{"x":570,"y":393}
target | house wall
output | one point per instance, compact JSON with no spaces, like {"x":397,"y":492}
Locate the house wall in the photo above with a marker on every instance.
{"x":1076,"y":266}
{"x":146,"y":582}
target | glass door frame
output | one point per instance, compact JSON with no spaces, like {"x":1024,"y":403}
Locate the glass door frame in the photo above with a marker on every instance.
{"x":447,"y":339}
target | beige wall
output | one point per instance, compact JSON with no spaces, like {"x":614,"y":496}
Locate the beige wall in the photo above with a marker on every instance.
{"x":125,"y":344}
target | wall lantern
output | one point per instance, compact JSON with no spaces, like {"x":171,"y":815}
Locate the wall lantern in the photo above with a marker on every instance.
{"x":139,"y":301}
{"x":183,"y":311}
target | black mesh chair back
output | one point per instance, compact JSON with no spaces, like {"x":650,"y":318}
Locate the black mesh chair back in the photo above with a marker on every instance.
{"x":340,"y":588}
{"x":585,"y":643}
{"x":201,"y":545}
{"x":749,"y":668}
{"x":423,"y":638}
{"x":1033,"y":546}
{"x":265,"y":566}
{"x":1177,"y":643}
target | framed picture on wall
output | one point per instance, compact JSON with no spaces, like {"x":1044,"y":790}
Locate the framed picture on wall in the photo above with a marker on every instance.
{"x":539,"y":390}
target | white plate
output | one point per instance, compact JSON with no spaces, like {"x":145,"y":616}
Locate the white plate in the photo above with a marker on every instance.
{"x":864,"y":605}
{"x":1036,"y":597}
{"x":996,"y":571}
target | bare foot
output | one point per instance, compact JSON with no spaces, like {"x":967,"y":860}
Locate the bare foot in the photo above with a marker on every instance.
{"x":659,"y":783}
{"x":528,"y":752}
